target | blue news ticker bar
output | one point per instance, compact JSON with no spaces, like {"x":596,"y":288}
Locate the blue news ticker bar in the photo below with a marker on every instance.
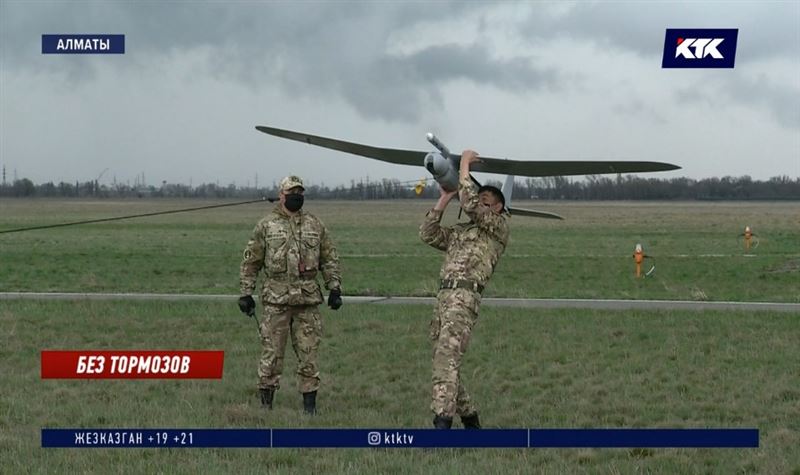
{"x":155,"y":438}
{"x":650,"y":438}
{"x":400,"y":438}
{"x":83,"y":44}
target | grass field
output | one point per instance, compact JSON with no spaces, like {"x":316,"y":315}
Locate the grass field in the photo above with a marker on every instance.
{"x":694,"y":246}
{"x":525,"y":368}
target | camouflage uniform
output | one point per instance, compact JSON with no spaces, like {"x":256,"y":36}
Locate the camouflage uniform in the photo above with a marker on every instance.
{"x":290,"y":250}
{"x":472,"y":251}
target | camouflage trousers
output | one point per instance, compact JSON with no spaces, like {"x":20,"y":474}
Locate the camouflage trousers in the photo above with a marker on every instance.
{"x":454,"y":317}
{"x":304,"y":324}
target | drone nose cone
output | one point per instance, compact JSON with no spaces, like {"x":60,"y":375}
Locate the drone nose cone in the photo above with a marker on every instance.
{"x":430,"y":136}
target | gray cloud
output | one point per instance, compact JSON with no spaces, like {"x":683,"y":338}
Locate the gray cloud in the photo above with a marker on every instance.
{"x":400,"y":86}
{"x":767,"y":29}
{"x":637,"y":108}
{"x":197,"y":76}
{"x":322,"y":50}
{"x":783,"y":102}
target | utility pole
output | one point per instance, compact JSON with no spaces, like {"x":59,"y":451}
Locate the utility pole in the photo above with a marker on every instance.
{"x":96,"y":186}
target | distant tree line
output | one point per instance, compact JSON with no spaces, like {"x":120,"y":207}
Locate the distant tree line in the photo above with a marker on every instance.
{"x":627,"y":187}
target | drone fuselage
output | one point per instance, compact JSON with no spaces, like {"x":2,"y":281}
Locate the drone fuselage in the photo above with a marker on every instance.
{"x":444,"y":170}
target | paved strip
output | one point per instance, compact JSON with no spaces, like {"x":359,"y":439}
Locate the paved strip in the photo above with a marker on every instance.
{"x":598,"y":304}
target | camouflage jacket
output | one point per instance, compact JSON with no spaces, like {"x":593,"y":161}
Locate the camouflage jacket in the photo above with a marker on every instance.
{"x":473,"y":248}
{"x":290,"y":250}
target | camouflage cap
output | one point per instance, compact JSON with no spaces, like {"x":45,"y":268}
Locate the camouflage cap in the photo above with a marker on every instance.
{"x":290,"y":182}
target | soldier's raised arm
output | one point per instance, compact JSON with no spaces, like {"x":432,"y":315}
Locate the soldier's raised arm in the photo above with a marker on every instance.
{"x":252,"y":261}
{"x":495,"y":223}
{"x":431,"y":231}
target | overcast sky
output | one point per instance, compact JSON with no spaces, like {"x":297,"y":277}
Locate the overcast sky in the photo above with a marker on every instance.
{"x":546,"y":81}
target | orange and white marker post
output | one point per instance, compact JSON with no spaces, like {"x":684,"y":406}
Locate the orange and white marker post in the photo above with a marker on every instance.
{"x":638,"y":257}
{"x":748,"y":238}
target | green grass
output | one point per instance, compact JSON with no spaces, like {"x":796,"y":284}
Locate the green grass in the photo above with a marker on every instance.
{"x":525,"y":368}
{"x":695,"y":247}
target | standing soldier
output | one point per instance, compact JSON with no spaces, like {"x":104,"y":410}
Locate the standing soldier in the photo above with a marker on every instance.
{"x":472,"y":251}
{"x":291,"y":246}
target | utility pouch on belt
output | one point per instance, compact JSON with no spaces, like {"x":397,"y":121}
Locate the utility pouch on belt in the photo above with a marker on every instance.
{"x":461,"y":284}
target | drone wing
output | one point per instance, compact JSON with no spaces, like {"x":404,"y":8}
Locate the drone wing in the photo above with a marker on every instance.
{"x":562,"y":168}
{"x":391,"y":155}
{"x":487,"y":164}
{"x":532,"y":212}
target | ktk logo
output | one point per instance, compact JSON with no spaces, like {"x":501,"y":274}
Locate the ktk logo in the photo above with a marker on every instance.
{"x":699,"y":48}
{"x":702,"y":47}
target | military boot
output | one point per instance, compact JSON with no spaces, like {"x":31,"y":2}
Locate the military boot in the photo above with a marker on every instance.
{"x":471,"y":421}
{"x":441,"y":422}
{"x":266,"y":396}
{"x":310,"y":402}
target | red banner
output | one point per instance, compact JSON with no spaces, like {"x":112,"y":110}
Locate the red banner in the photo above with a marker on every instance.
{"x":132,"y":364}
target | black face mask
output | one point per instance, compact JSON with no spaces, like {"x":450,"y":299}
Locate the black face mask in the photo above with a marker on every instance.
{"x":294,"y":201}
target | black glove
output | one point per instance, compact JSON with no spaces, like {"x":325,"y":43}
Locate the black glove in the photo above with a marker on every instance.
{"x":247,"y":305}
{"x":335,"y":299}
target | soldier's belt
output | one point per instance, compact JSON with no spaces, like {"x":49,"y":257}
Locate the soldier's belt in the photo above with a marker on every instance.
{"x":461,"y":284}
{"x":285,"y":278}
